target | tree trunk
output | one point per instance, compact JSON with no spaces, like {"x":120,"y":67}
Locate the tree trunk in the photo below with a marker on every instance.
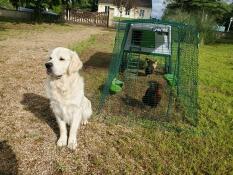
{"x":203,"y":15}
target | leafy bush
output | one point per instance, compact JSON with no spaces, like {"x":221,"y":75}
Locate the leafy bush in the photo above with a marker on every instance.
{"x":6,"y":4}
{"x":57,"y":9}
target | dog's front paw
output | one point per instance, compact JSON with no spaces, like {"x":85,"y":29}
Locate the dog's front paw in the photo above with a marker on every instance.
{"x":72,"y":144}
{"x":62,"y":141}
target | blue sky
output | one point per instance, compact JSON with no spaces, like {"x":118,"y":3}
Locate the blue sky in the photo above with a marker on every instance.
{"x":229,"y":1}
{"x":159,"y":6}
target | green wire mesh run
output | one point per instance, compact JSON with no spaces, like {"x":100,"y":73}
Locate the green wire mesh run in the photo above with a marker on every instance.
{"x":157,"y":63}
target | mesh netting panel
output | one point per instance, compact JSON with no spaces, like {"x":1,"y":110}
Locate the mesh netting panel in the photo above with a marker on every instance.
{"x":187,"y":73}
{"x":153,"y":72}
{"x":118,"y":52}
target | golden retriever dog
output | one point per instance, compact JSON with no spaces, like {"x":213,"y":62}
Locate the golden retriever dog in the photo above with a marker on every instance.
{"x":65,"y":89}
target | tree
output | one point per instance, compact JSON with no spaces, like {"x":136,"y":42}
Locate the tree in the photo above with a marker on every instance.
{"x":35,"y":4}
{"x":216,"y":8}
{"x":15,"y":3}
{"x":126,"y":4}
{"x":204,"y":14}
{"x":90,"y":5}
{"x":56,"y":4}
{"x":5,"y":4}
{"x":226,"y":19}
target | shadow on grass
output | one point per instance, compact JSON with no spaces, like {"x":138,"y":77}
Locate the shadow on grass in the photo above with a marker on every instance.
{"x":99,"y":60}
{"x":8,"y":161}
{"x":40,"y":107}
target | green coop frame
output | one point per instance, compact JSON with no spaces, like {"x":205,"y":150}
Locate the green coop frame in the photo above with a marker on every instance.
{"x":175,"y":46}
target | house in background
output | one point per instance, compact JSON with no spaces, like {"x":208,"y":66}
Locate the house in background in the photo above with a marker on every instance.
{"x":141,"y":10}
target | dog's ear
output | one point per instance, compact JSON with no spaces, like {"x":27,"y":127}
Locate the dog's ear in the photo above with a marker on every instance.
{"x":75,"y":63}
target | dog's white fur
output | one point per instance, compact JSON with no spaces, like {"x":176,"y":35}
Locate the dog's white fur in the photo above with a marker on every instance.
{"x":65,"y":89}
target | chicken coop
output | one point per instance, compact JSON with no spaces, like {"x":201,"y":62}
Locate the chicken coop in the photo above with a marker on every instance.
{"x":154,"y":71}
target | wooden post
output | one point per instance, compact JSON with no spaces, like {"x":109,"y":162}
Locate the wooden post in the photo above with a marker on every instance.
{"x":110,"y":17}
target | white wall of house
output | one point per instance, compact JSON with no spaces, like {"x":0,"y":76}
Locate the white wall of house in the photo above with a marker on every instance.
{"x":139,"y":12}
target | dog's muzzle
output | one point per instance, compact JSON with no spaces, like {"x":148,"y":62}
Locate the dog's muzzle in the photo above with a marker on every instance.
{"x":49,"y":67}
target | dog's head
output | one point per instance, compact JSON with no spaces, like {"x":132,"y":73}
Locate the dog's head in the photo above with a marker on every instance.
{"x":63,"y":61}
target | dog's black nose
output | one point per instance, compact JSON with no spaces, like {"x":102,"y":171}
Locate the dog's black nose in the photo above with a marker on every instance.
{"x":48,"y":65}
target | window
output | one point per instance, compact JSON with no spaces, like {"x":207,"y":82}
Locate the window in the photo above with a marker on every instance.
{"x":136,"y":38}
{"x":106,"y":9}
{"x":141,"y":13}
{"x":127,"y":12}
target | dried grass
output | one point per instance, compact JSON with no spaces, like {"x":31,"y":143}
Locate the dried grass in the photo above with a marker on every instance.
{"x":29,"y":132}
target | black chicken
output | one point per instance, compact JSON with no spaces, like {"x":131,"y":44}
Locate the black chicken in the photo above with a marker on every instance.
{"x":152,"y":96}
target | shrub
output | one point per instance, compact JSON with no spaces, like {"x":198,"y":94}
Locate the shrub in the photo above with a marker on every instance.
{"x":205,"y":25}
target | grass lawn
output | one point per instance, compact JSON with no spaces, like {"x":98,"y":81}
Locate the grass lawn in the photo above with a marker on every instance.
{"x":173,"y":147}
{"x":122,"y":18}
{"x":10,"y":29}
{"x":109,"y":144}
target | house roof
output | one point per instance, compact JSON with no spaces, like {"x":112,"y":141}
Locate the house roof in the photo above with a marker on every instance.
{"x":138,"y":3}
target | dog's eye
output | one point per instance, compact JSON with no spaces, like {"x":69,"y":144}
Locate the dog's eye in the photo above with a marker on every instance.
{"x":62,"y":59}
{"x":50,"y":58}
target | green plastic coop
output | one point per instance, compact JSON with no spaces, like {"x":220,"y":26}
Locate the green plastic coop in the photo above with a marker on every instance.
{"x":174,"y":47}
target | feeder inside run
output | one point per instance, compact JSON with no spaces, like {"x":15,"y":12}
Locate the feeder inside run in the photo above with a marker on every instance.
{"x":157,"y":61}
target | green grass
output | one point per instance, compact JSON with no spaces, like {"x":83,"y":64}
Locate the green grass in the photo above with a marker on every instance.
{"x":155,"y":147}
{"x":80,"y":47}
{"x":13,"y":28}
{"x":117,"y":145}
{"x":121,"y":18}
